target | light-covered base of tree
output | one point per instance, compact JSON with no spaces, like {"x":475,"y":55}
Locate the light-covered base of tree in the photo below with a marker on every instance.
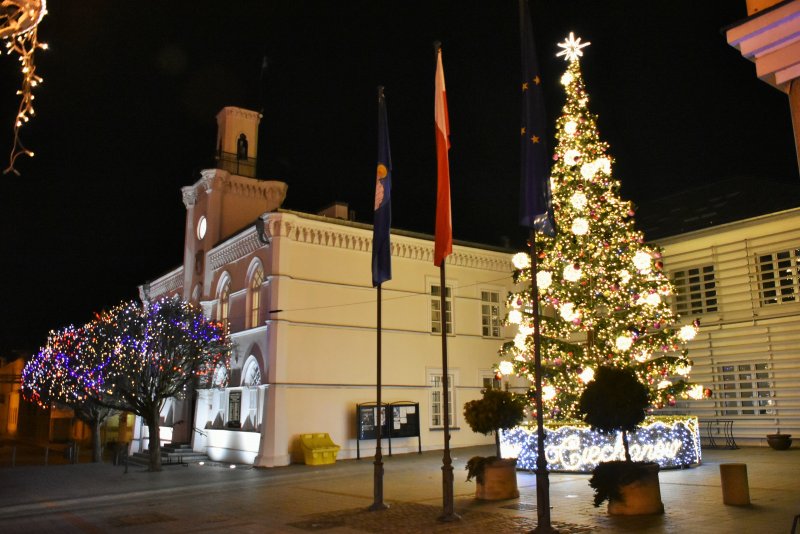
{"x":499,"y":481}
{"x":642,"y":497}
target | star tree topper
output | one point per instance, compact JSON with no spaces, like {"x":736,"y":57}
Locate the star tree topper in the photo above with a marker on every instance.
{"x":572,"y":48}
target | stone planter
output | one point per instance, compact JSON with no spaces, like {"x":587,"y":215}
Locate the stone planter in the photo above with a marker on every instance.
{"x":779,"y":442}
{"x":641,"y":497}
{"x":499,"y":481}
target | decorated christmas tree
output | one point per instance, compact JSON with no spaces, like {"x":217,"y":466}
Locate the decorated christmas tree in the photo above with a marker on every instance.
{"x":603,"y":296}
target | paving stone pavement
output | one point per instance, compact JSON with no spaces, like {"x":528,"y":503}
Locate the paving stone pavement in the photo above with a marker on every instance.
{"x":99,"y":498}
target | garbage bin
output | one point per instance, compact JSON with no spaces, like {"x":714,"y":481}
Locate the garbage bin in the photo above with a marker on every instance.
{"x":735,"y":488}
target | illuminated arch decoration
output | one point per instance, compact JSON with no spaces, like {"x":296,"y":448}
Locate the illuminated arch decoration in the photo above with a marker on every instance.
{"x":19,"y":20}
{"x":671,"y":442}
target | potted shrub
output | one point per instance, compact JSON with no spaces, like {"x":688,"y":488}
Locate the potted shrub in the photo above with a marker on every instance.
{"x":496,"y":477}
{"x":615,"y":401}
{"x":779,"y":442}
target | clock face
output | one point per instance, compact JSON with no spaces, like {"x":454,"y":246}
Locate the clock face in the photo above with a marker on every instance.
{"x":201,"y":227}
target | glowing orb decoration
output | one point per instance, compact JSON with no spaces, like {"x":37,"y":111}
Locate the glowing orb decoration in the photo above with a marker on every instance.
{"x":580,"y":226}
{"x":544,"y":279}
{"x":588,"y":171}
{"x":521,"y":260}
{"x":506,"y":368}
{"x":664,"y":384}
{"x":568,"y":313}
{"x":578,"y":200}
{"x":525,"y":329}
{"x":642,"y":356}
{"x":642,"y":261}
{"x":571,"y":273}
{"x":571,"y":127}
{"x":19,"y":21}
{"x":624,"y":276}
{"x":520,"y":341}
{"x":671,"y":442}
{"x":684,"y":370}
{"x":567,"y":78}
{"x":624,"y":342}
{"x":687,"y":332}
{"x":603,"y":164}
{"x":571,"y":157}
{"x":695,"y":392}
{"x":514,"y":316}
{"x":548,"y":393}
{"x":653,"y":299}
{"x":587,"y":375}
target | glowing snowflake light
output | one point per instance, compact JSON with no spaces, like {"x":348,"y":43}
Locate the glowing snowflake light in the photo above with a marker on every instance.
{"x":571,"y":127}
{"x":580,"y":226}
{"x":544,"y":279}
{"x":571,"y":273}
{"x":624,"y":342}
{"x":572,"y":48}
{"x":514,"y":317}
{"x":578,"y":201}
{"x":588,"y":170}
{"x":506,"y":368}
{"x":687,"y":333}
{"x":571,"y":157}
{"x":521,"y":260}
{"x":641,"y":260}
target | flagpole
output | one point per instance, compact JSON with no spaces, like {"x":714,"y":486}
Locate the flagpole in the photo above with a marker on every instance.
{"x":543,"y":525}
{"x":448,"y":514}
{"x":377,"y":490}
{"x":378,"y":503}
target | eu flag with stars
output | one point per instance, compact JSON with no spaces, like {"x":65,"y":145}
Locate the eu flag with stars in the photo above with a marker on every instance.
{"x":536,"y":206}
{"x":381,"y":248}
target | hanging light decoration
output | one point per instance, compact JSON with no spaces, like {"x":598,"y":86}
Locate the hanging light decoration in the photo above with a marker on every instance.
{"x":19,"y":20}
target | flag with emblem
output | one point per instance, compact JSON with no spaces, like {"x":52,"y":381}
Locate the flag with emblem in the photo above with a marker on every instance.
{"x":536,"y":207}
{"x":381,"y":247}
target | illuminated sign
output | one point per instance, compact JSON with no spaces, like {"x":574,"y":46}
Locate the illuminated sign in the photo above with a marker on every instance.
{"x":667,"y":441}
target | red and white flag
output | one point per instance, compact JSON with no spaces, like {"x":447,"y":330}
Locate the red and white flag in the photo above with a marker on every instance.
{"x":444,"y":222}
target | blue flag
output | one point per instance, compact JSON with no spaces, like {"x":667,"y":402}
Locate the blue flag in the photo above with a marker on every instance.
{"x":381,"y":248}
{"x":535,"y":203}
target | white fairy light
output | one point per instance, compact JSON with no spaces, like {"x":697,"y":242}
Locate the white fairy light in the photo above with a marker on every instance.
{"x":580,"y":226}
{"x":521,"y":260}
{"x":572,"y":48}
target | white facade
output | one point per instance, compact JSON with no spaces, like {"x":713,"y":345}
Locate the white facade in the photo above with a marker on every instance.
{"x":742,"y":280}
{"x":296,"y":292}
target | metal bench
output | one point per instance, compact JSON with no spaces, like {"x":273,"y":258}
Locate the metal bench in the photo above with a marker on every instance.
{"x":719,"y":433}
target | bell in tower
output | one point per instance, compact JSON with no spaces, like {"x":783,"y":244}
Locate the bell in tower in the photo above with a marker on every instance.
{"x":237,"y":140}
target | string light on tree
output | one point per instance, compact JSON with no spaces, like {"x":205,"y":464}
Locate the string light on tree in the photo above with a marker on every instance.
{"x":603,"y":290}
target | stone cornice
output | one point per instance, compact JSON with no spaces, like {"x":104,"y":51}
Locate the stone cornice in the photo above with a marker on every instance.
{"x":167,"y":283}
{"x":189,"y":196}
{"x":235,"y":248}
{"x":331,"y":235}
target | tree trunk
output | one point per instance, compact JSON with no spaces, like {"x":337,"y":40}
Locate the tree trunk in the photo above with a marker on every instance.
{"x":154,"y":446}
{"x":625,"y":446}
{"x":97,"y":452}
{"x":497,"y":441}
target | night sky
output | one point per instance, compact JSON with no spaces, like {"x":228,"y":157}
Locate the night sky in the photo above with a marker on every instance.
{"x":126,"y":116}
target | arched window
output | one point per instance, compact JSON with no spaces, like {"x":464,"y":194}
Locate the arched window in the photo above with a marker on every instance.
{"x":224,"y":298}
{"x":256,"y":281}
{"x":252,"y":373}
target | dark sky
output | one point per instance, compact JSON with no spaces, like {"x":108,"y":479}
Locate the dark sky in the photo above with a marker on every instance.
{"x":126,"y":116}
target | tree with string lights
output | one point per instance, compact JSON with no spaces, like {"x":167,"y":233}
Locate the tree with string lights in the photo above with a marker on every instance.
{"x":159,"y":352}
{"x":602,"y":290}
{"x":67,"y":372}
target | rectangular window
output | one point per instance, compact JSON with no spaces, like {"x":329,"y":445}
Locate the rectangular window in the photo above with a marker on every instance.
{"x":436,"y":310}
{"x":744,"y":389}
{"x":490,"y":313}
{"x":778,"y":277}
{"x":491,"y":382}
{"x":437,"y":404}
{"x":696,"y":290}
